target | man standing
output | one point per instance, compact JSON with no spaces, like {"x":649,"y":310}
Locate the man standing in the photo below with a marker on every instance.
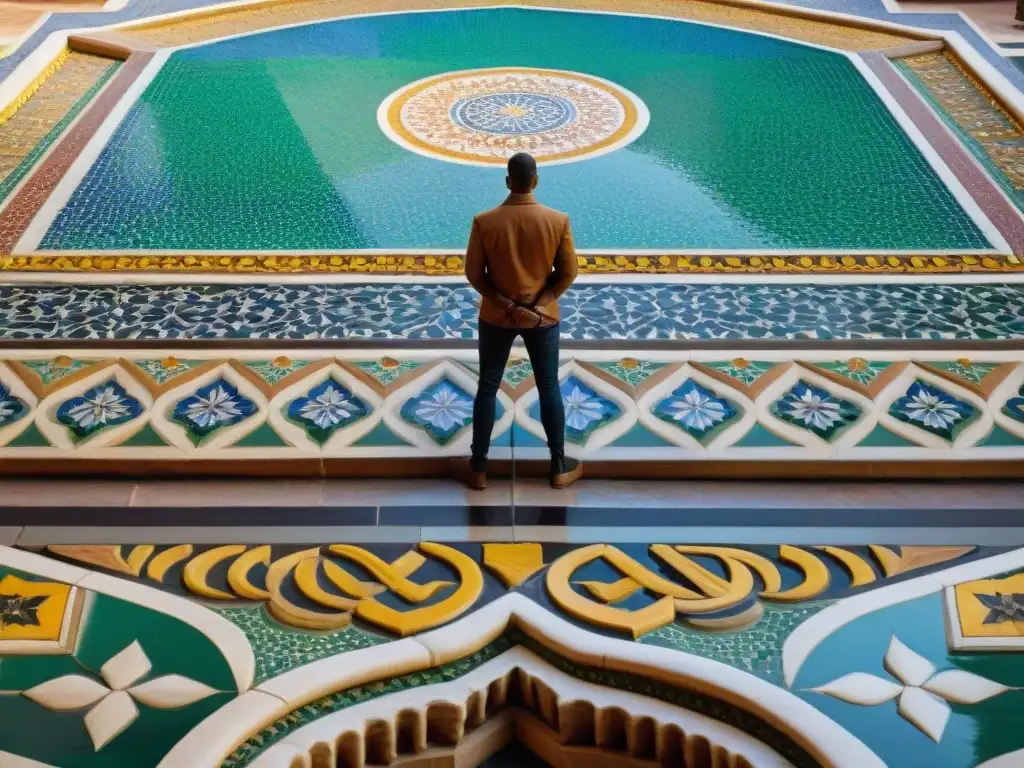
{"x":520,"y":259}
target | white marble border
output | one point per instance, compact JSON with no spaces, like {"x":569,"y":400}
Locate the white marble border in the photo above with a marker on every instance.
{"x":228,"y":639}
{"x":213,"y":739}
{"x":809,"y":635}
{"x":565,"y":688}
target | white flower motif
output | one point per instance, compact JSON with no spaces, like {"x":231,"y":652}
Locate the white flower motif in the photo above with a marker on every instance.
{"x":218,"y":407}
{"x":581,"y":409}
{"x":328,"y":408}
{"x":445,"y":408}
{"x":6,"y":410}
{"x":101,"y":408}
{"x":814,"y":410}
{"x":697,"y":410}
{"x":931,"y":410}
{"x":112,"y":706}
{"x":923,"y":694}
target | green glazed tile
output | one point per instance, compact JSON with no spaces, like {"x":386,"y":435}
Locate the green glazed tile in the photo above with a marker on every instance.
{"x":264,"y":436}
{"x":760,"y":437}
{"x":880,"y":437}
{"x":30,"y":438}
{"x":146,"y":437}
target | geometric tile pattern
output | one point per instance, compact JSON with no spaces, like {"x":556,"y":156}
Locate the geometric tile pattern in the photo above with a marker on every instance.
{"x":447,"y":311}
{"x":680,"y":408}
{"x":815,"y":409}
{"x":989,"y":132}
{"x":932,"y":408}
{"x":697,"y":410}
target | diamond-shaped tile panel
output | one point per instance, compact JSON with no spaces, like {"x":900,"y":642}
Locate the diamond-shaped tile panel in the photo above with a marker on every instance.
{"x":965,"y":369}
{"x":442,"y":410}
{"x":325,"y":409}
{"x":171,"y":692}
{"x":12,"y":408}
{"x":1014,"y":407}
{"x":165,"y":369}
{"x":105,"y":405}
{"x":110,"y":718}
{"x":387,"y":369}
{"x":856,"y":369}
{"x":586,"y":411}
{"x":632,"y":372}
{"x":932,"y":409}
{"x":517,"y":371}
{"x":211,"y":408}
{"x":127,"y":667}
{"x":815,"y":409}
{"x":51,"y":371}
{"x":67,"y":693}
{"x":697,"y":411}
{"x":273,"y":371}
{"x":744,"y":371}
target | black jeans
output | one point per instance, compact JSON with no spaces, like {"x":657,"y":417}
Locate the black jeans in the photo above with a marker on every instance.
{"x":495,"y":344}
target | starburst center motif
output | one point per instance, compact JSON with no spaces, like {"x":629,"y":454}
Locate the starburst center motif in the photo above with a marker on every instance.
{"x":16,"y":610}
{"x":1002,"y":607}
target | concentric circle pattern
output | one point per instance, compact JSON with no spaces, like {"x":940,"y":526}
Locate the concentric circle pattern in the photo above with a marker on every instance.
{"x":485,"y":116}
{"x":513,"y":114}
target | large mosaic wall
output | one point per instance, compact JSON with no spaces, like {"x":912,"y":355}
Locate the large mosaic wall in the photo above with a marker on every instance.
{"x":673,"y":406}
{"x":200,"y":656}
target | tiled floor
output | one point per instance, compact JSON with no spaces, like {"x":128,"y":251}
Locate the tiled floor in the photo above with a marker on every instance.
{"x":632,"y":311}
{"x":529,"y":492}
{"x":142,"y":549}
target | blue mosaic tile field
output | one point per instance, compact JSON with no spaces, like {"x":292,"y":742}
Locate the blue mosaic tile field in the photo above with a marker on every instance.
{"x":826,"y":167}
{"x":448,"y":311}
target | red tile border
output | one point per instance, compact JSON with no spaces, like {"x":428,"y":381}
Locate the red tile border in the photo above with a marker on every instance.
{"x":16,"y":217}
{"x":986,"y":193}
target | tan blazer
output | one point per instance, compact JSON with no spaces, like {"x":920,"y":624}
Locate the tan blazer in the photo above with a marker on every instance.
{"x":523,"y":251}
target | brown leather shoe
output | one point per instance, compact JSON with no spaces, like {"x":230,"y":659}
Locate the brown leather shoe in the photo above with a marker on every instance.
{"x":565,"y":475}
{"x":462,"y":471}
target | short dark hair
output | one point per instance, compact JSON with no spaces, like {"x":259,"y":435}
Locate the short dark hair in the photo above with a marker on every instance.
{"x":521,"y":170}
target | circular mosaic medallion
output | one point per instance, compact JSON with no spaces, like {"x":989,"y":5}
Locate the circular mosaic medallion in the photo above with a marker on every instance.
{"x":484,"y":116}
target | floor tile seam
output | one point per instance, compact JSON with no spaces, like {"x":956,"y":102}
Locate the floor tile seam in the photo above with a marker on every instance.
{"x":35,"y":536}
{"x":712,"y":535}
{"x":730,"y":515}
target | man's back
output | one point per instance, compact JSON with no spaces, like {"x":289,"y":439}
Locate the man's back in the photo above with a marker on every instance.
{"x":520,"y":259}
{"x":524,"y":250}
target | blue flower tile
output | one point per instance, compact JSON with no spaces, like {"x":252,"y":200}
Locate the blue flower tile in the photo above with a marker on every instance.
{"x":585,"y":410}
{"x":211,"y":408}
{"x":815,"y":409}
{"x":1014,"y":407}
{"x":442,"y":410}
{"x":697,"y":411}
{"x":933,"y":410}
{"x":325,"y":409}
{"x":103,"y":406}
{"x":12,"y":408}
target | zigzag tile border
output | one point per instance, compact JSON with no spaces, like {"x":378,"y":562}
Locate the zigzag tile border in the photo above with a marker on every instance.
{"x":180,"y":405}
